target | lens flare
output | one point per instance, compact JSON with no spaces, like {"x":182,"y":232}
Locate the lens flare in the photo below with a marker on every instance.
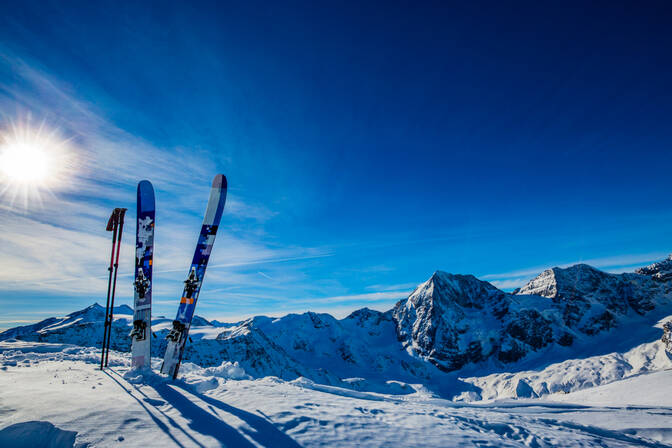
{"x":23,"y":163}
{"x":33,"y":161}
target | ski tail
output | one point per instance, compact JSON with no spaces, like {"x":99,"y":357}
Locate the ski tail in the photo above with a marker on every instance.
{"x":179,"y":334}
{"x":144,"y":260}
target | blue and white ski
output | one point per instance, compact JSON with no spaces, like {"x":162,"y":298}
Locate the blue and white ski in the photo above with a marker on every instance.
{"x":144,"y":252}
{"x":177,"y":337}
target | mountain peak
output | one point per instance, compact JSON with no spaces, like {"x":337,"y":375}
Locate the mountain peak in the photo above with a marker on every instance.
{"x":94,"y":310}
{"x":660,"y":271}
{"x":463,"y":290}
{"x":558,"y":281}
{"x":434,"y":320}
{"x":97,"y":311}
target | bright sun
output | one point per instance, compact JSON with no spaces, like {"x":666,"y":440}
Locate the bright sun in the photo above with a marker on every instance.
{"x":23,"y":163}
{"x":32,"y":161}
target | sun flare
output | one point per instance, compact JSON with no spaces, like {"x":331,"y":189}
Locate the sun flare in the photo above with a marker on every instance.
{"x":32,"y":161}
{"x":25,"y":164}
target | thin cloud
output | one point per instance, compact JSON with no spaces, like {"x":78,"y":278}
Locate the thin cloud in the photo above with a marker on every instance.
{"x":510,"y":284}
{"x":62,"y":247}
{"x":397,"y":286}
{"x":366,"y":297}
{"x":604,"y":262}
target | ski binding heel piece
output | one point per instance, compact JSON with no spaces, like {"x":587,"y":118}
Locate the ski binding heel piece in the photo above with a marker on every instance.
{"x":176,"y":333}
{"x":139,"y":330}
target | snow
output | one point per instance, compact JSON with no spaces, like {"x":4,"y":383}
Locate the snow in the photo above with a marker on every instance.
{"x":56,"y":389}
{"x":34,"y":434}
{"x":455,"y":335}
{"x":574,"y":358}
{"x":645,"y":390}
{"x":573,"y":374}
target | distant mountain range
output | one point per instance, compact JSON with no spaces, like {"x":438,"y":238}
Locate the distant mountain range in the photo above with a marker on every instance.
{"x":452,"y":325}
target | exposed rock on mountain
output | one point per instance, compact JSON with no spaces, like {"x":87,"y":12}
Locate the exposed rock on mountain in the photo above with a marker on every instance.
{"x":452,"y":320}
{"x":667,"y":336}
{"x":660,"y":271}
{"x":583,"y":286}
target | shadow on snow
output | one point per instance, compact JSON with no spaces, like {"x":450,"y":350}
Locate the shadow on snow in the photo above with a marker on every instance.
{"x":259,"y":429}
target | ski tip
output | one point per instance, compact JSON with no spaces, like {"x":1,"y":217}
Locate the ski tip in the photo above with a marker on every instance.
{"x":145,"y":184}
{"x":145,"y":195}
{"x":219,"y":181}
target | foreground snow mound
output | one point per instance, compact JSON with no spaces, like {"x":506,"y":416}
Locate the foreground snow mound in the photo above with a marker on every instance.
{"x":36,"y":434}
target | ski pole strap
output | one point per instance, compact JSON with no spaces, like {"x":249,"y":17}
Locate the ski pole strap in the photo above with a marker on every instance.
{"x":114,"y":219}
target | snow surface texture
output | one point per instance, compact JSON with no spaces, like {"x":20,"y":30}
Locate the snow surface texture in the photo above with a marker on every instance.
{"x":53,"y":395}
{"x":429,"y":370}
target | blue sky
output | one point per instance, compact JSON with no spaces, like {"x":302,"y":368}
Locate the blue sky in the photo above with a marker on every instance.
{"x":365,"y":146}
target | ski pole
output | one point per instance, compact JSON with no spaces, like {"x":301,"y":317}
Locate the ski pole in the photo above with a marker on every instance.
{"x":122,"y":212}
{"x":111,"y":227}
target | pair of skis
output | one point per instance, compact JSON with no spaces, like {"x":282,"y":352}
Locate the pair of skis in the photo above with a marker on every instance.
{"x":144,"y":251}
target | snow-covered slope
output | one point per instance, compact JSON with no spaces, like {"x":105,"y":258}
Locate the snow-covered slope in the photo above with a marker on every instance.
{"x":572,"y":374}
{"x":451,"y":326}
{"x":54,"y":395}
{"x":85,"y":328}
{"x":360,"y":351}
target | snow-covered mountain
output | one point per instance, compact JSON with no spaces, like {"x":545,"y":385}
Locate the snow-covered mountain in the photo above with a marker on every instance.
{"x":451,"y":325}
{"x":85,"y":328}
{"x":454,"y":320}
{"x":660,"y":271}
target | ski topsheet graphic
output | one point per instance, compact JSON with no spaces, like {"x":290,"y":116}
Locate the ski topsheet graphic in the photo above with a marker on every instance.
{"x":177,"y":337}
{"x":144,"y":252}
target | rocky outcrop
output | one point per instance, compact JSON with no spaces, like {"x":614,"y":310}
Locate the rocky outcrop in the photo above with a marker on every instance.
{"x":660,"y":271}
{"x":453,"y":320}
{"x":667,"y":336}
{"x":583,"y":286}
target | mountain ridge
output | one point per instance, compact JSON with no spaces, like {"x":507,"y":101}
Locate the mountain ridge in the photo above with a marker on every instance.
{"x":448,"y":324}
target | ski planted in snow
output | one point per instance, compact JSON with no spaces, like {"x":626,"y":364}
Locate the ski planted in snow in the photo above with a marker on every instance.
{"x":144,"y":251}
{"x":177,"y":337}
